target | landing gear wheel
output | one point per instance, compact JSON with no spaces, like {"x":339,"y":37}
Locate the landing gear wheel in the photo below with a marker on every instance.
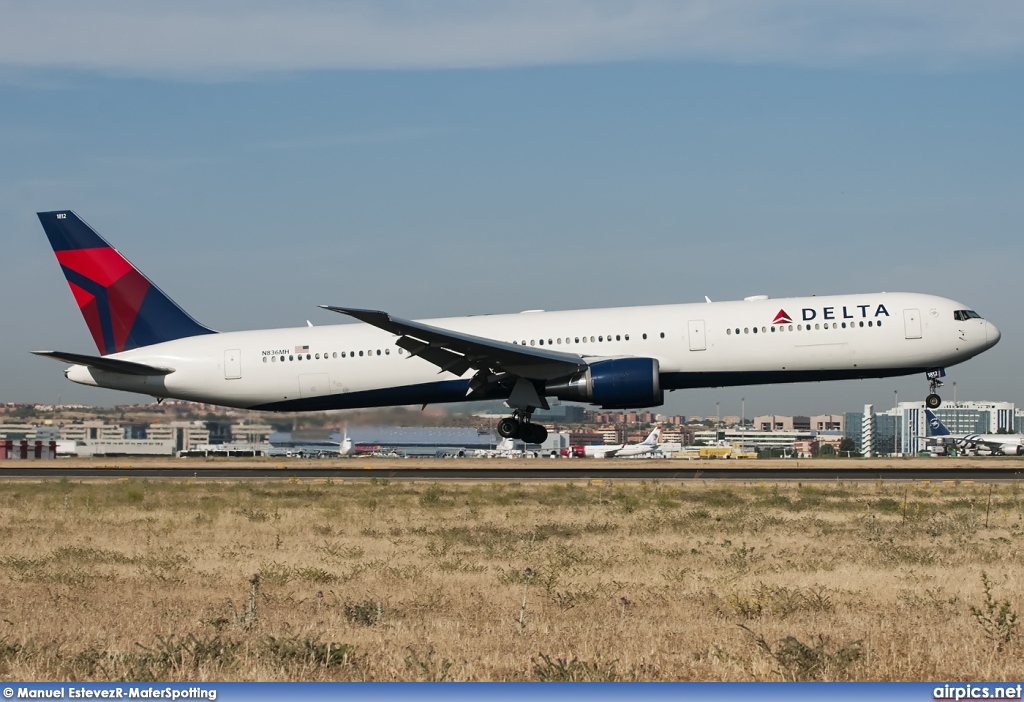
{"x":533,"y":433}
{"x":932,"y":401}
{"x":509,"y":428}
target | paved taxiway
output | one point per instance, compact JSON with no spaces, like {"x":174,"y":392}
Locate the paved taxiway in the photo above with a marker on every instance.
{"x":936,"y":469}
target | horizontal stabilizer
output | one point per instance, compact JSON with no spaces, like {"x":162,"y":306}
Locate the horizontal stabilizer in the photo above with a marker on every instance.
{"x":110,"y":365}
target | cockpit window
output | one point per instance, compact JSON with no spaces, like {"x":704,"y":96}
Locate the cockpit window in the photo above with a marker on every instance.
{"x":962,"y":315}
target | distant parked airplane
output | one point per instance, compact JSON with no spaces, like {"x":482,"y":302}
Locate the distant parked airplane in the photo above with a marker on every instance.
{"x":648,"y":445}
{"x":616,"y":358}
{"x":1005,"y":444}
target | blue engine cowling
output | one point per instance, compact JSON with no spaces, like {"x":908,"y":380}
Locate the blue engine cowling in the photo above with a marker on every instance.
{"x":619,"y":383}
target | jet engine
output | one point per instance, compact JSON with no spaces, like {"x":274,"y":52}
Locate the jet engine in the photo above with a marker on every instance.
{"x":1012,"y":450}
{"x":618,"y":383}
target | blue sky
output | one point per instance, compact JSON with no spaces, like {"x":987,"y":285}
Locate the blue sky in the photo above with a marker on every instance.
{"x":258,"y":159}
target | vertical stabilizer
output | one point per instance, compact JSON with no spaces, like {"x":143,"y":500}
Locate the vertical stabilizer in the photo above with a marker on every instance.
{"x":935,"y":425}
{"x":122,"y":308}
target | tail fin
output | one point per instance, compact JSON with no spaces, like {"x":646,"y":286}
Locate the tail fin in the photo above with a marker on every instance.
{"x":935,"y":426}
{"x":121,"y":307}
{"x":652,"y":439}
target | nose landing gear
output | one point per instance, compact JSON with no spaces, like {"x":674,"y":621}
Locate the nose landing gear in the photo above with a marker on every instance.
{"x":933,"y":400}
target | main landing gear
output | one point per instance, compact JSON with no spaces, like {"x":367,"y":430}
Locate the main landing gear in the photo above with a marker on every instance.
{"x":519,"y":426}
{"x":933,"y":400}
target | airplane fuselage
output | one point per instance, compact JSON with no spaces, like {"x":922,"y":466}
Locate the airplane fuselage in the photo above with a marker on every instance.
{"x":697,"y":345}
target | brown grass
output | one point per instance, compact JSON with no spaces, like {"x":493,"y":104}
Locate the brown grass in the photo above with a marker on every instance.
{"x":371,"y":580}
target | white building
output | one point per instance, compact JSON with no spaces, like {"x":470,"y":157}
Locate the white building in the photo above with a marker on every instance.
{"x":181,"y":435}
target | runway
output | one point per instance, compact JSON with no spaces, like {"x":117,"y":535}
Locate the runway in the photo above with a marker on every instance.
{"x":523,"y":471}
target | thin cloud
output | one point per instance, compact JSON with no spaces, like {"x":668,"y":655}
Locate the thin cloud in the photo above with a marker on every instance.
{"x":212,"y":41}
{"x":354,"y":139}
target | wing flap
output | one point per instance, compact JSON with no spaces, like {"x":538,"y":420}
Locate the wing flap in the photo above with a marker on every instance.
{"x":110,"y":365}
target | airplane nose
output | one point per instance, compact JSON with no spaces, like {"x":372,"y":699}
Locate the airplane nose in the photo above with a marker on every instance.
{"x":992,"y":334}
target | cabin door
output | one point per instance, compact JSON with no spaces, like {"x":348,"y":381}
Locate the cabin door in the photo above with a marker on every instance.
{"x":695,"y":332}
{"x":912,"y":323}
{"x":232,"y":364}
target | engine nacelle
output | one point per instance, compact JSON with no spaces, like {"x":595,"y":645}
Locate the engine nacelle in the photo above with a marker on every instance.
{"x":1012,"y":450}
{"x":618,"y":383}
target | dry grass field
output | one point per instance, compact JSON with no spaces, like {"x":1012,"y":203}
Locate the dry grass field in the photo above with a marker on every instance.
{"x":378,"y":580}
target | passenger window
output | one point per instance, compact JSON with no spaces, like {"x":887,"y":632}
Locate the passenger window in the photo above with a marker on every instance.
{"x":878,"y":323}
{"x":755,"y":330}
{"x":360,"y":353}
{"x":862,"y":324}
{"x":387,"y":352}
{"x":746,"y":330}
{"x":645,"y":336}
{"x":549,"y":342}
{"x":576,"y":340}
{"x":542,"y":342}
{"x":728,"y":331}
{"x":591,"y":339}
{"x":600,"y":338}
{"x":273,"y":359}
{"x":627,"y":337}
{"x":663,"y":335}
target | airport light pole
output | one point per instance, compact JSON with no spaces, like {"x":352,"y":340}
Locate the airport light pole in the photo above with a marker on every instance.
{"x":743,"y":413}
{"x":956,"y":411}
{"x":896,"y":423}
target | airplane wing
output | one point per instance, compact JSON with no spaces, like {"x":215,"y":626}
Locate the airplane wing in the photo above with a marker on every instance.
{"x":457,"y":352}
{"x":111,"y":365}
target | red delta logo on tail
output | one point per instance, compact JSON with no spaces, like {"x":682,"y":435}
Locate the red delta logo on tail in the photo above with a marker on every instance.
{"x":109,"y":293}
{"x":121,"y":307}
{"x":782,"y":318}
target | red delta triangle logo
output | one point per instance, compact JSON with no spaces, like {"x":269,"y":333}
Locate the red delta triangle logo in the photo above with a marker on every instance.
{"x":782,"y":318}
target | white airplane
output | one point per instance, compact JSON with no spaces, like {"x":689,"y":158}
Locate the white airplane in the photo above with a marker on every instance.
{"x":1005,"y":444}
{"x":505,"y":449}
{"x":648,"y":445}
{"x":317,"y":449}
{"x":616,"y":358}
